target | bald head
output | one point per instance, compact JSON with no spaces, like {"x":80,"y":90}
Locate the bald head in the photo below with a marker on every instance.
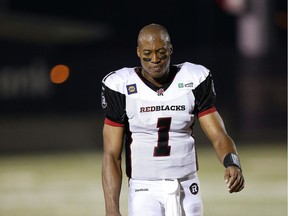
{"x":154,"y":50}
{"x":151,"y":32}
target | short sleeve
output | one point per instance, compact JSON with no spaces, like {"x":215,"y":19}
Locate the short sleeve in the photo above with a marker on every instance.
{"x":205,"y":95}
{"x":113,"y":104}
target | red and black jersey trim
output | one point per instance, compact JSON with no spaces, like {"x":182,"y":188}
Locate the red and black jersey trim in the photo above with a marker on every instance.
{"x":208,"y":111}
{"x":113,"y":123}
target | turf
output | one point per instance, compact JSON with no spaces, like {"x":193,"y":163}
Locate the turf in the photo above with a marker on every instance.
{"x":69,"y":184}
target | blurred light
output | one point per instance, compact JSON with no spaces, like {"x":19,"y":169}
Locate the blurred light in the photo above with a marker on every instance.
{"x":253,"y":30}
{"x":59,"y":74}
{"x":235,"y":7}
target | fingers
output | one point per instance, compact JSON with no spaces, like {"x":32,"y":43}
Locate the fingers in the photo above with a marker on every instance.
{"x":234,"y":179}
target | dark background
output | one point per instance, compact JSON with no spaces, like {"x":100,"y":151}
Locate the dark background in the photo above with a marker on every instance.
{"x":246,"y":50}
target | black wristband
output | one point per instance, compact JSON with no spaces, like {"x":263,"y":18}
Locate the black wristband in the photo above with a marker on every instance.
{"x":232,"y":159}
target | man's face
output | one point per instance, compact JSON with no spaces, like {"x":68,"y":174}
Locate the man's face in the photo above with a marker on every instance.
{"x":154,"y":52}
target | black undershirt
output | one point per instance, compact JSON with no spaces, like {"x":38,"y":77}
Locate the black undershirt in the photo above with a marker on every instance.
{"x":173,"y":71}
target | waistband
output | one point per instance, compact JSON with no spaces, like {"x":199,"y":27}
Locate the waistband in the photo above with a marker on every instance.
{"x":185,"y":178}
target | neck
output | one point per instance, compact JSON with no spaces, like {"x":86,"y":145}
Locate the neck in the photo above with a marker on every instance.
{"x":157,"y":82}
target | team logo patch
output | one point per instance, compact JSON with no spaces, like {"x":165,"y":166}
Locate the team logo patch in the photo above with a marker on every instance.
{"x":194,"y":188}
{"x":213,"y":88}
{"x":131,"y":89}
{"x":103,"y":101}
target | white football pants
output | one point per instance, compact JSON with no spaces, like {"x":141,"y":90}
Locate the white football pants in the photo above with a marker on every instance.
{"x":168,"y":197}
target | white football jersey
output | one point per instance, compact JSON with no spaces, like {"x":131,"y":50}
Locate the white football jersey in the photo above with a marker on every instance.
{"x":159,"y":139}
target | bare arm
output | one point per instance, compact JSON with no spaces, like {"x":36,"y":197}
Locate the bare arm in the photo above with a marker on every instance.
{"x":111,"y":168}
{"x":213,"y":126}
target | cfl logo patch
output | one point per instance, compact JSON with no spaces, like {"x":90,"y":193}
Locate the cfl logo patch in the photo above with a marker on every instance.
{"x":194,"y":188}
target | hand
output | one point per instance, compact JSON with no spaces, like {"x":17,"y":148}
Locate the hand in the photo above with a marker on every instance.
{"x":234,"y":179}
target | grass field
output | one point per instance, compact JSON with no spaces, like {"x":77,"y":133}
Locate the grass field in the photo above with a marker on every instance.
{"x":69,"y":184}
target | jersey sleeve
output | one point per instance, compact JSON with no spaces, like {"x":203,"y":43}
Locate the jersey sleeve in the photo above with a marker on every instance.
{"x":205,"y":97}
{"x":113,"y":104}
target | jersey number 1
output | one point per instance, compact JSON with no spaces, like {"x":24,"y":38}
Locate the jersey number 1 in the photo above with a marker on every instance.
{"x":162,"y":148}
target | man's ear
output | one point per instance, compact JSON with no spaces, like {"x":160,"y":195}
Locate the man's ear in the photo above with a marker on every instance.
{"x":138,"y":52}
{"x":171,"y":49}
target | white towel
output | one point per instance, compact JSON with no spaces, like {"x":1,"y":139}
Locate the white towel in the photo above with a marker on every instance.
{"x":172,"y":189}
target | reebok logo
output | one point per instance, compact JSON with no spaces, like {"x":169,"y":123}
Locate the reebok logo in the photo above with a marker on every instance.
{"x":141,"y":190}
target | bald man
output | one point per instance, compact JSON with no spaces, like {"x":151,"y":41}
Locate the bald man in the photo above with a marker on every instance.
{"x":153,"y":109}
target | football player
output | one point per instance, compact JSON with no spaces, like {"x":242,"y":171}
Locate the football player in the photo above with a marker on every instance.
{"x":153,"y":109}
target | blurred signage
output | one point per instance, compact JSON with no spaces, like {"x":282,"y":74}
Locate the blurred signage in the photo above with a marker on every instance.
{"x":26,"y":81}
